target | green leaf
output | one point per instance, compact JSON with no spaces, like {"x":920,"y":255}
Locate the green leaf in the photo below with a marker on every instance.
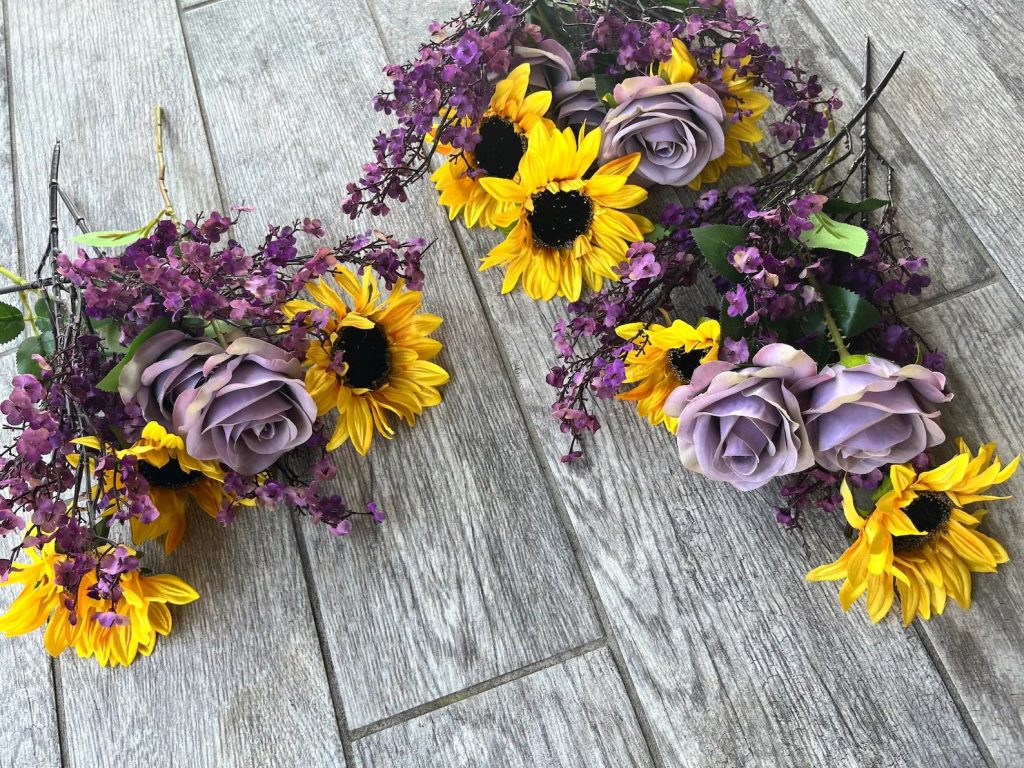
{"x":109,"y":382}
{"x":853,"y":314}
{"x":12,"y":322}
{"x":660,"y":232}
{"x":835,"y":236}
{"x":33,"y":345}
{"x":835,"y":206}
{"x":110,"y":332}
{"x":604,"y":86}
{"x":115,"y":238}
{"x":716,"y":242}
{"x":43,"y":320}
{"x":731,"y":327}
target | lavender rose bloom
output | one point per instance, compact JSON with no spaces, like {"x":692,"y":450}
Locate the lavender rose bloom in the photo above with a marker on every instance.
{"x":163,"y":367}
{"x":743,"y":425}
{"x":862,"y":418}
{"x":575,"y":103}
{"x":676,"y":127}
{"x":252,"y":408}
{"x":550,"y":64}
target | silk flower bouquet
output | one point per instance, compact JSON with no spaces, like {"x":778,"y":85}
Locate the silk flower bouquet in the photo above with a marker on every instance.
{"x":170,"y":369}
{"x":555,"y":119}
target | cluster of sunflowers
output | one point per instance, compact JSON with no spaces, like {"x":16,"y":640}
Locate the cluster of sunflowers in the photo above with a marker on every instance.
{"x":185,"y":373}
{"x":804,"y":370}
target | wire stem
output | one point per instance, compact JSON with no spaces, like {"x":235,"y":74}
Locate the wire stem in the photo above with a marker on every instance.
{"x":161,"y":165}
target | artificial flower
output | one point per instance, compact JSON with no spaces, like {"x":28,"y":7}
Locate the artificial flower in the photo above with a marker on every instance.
{"x":372,"y":358}
{"x":675,"y":127}
{"x":744,"y":106}
{"x":743,"y":425}
{"x":174,"y":477}
{"x":919,"y":539}
{"x":113,"y":635}
{"x":504,"y":136}
{"x":663,"y":358}
{"x":567,"y":228}
{"x":250,"y":409}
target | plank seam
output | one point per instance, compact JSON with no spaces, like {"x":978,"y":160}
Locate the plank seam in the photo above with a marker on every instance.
{"x":959,"y":294}
{"x":340,"y":719}
{"x":187,"y":42}
{"x":195,"y":6}
{"x":571,"y":534}
{"x":999,"y":275}
{"x":58,"y":707}
{"x":435,"y":705}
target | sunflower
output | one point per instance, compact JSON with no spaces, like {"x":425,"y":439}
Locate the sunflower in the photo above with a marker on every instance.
{"x":742,"y":111}
{"x":920,"y":538}
{"x":174,"y":478}
{"x":503,"y":132}
{"x":114,"y":637}
{"x":662,"y":359}
{"x":566,"y":230}
{"x":374,"y":358}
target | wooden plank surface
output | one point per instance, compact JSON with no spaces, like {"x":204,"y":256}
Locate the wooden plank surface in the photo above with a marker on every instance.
{"x":569,"y":715}
{"x":472,"y":576}
{"x":982,"y":649}
{"x":952,"y":99}
{"x":706,"y":594}
{"x":241,"y":680}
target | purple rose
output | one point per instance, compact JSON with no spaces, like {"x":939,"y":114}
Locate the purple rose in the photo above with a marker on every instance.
{"x":550,"y":64}
{"x":862,"y":418}
{"x":252,"y":408}
{"x":163,"y":367}
{"x":575,"y":103}
{"x":743,"y":425}
{"x":676,"y":127}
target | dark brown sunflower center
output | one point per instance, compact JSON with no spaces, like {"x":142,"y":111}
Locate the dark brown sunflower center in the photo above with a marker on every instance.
{"x":929,"y":513}
{"x":500,"y":149}
{"x":558,"y":218}
{"x":170,"y":475}
{"x":684,"y":363}
{"x":365,"y":351}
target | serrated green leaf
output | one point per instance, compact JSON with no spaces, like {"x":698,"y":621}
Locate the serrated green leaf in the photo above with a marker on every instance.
{"x":110,"y":332}
{"x":660,"y":232}
{"x":12,"y":322}
{"x":716,"y":242}
{"x":836,"y":206}
{"x":33,"y":345}
{"x":109,"y":382}
{"x":835,"y":235}
{"x":43,"y":321}
{"x":853,"y":314}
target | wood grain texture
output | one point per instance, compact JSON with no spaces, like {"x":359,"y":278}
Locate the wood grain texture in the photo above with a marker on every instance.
{"x":472,"y":576}
{"x":241,"y":680}
{"x":964,"y":127}
{"x":706,"y":593}
{"x":31,"y":737}
{"x":983,"y":649}
{"x":932,"y":223}
{"x":572,"y":714}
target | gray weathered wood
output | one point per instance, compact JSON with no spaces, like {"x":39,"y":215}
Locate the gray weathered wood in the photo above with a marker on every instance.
{"x":705,"y":592}
{"x":983,"y":649}
{"x":240,"y":681}
{"x":951,"y":101}
{"x":569,"y":715}
{"x":31,"y":737}
{"x":472,"y":576}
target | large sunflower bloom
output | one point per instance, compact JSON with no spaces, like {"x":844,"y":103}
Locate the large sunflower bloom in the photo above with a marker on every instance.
{"x":503,"y":134}
{"x":743,"y":108}
{"x":174,"y":478}
{"x":663,"y":358}
{"x":142,"y":611}
{"x":919,"y":539}
{"x":374,"y":357}
{"x":567,"y":230}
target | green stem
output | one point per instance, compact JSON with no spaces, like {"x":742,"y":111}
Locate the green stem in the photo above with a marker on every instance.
{"x":830,"y":322}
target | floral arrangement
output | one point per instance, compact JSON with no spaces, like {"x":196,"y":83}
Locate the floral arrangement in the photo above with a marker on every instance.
{"x":172,"y":368}
{"x":554,"y":120}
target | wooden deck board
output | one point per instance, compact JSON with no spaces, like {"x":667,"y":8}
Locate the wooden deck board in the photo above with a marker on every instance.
{"x":472,"y":576}
{"x":241,"y":680}
{"x":570,"y":715}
